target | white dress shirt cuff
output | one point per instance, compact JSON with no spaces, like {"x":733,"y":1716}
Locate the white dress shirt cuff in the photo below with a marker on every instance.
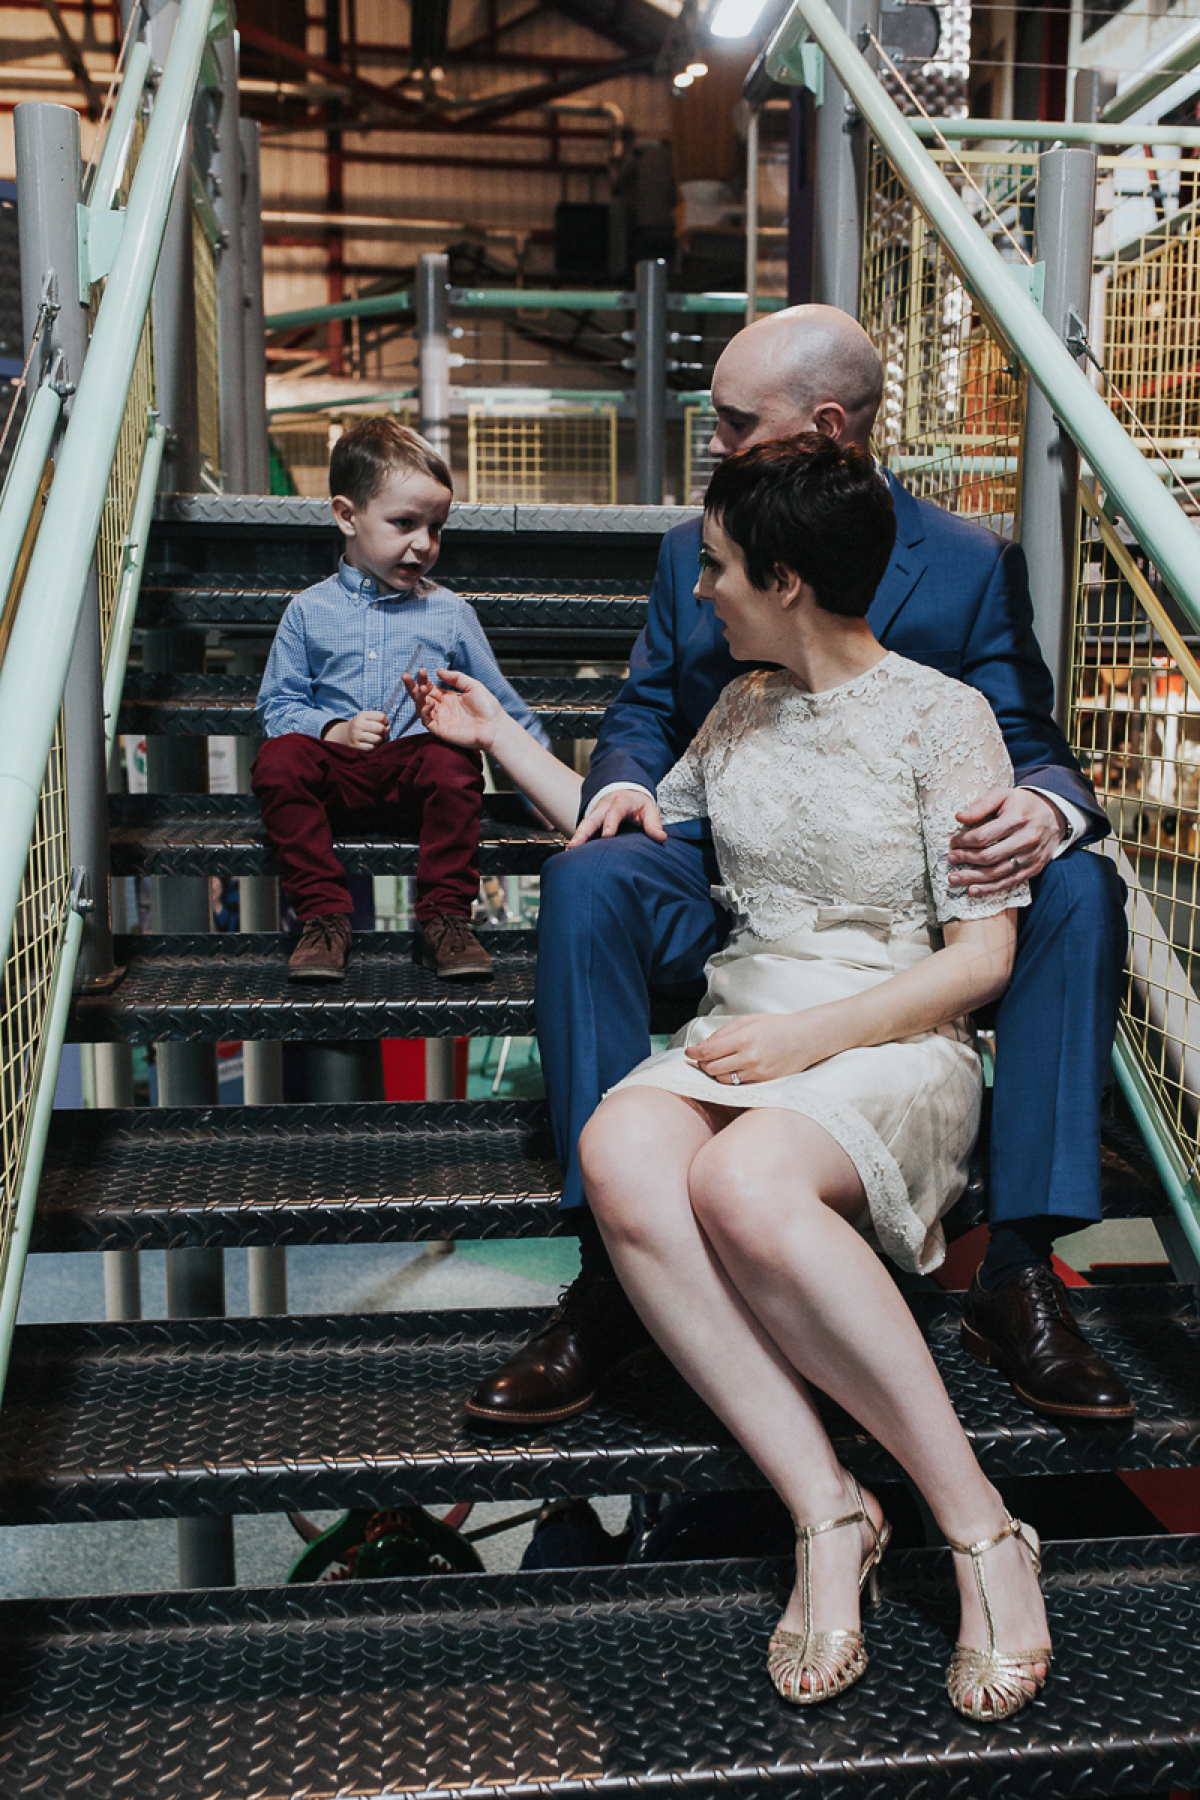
{"x":617,"y":787}
{"x":1077,"y":819}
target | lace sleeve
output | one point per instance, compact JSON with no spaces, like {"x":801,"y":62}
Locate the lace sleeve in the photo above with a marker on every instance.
{"x":681,"y":792}
{"x":960,"y":755}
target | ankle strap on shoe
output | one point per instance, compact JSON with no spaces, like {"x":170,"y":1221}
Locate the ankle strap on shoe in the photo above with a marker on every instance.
{"x":1013,"y":1528}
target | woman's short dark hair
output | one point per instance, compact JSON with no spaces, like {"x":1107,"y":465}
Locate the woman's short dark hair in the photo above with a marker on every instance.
{"x":809,"y":504}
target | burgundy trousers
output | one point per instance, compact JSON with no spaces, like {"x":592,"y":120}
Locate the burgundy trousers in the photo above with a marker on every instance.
{"x":309,"y":789}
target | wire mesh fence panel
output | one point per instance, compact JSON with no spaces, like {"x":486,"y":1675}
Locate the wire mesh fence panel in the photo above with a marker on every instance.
{"x":122,"y":482}
{"x":950,"y":425}
{"x":208,"y":372}
{"x":1135,"y":726}
{"x":699,"y":423}
{"x":27,"y":978}
{"x":1149,"y":337}
{"x":563,"y":456}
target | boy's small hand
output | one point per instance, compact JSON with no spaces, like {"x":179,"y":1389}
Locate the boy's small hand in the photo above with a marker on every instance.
{"x":363,"y":732}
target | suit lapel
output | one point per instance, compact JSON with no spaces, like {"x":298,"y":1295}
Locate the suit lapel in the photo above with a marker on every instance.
{"x":907,"y":565}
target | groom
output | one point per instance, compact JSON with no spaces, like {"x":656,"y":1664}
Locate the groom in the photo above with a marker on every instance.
{"x":627,"y":907}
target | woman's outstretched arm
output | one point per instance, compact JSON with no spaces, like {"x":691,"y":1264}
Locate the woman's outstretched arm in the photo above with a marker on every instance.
{"x":464,"y":712}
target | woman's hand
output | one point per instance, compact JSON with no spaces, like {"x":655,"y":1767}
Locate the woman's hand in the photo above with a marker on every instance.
{"x":461,"y":711}
{"x":762,"y":1046}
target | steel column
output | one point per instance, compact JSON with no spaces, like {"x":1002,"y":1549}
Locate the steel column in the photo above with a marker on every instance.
{"x":258,"y":456}
{"x":48,"y":195}
{"x":751,"y":217}
{"x":651,"y":379}
{"x":841,"y":175}
{"x":174,"y":306}
{"x":113,"y":1071}
{"x":1066,"y":198}
{"x":433,"y":350}
{"x":225,"y":177}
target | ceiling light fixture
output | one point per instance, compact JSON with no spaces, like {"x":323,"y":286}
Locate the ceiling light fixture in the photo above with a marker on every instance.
{"x":735,"y":18}
{"x":697,"y":69}
{"x":684,"y":80}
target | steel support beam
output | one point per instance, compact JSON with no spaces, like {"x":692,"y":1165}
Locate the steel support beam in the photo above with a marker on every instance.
{"x":433,"y":350}
{"x":1066,"y":198}
{"x":651,"y":379}
{"x":841,"y":176}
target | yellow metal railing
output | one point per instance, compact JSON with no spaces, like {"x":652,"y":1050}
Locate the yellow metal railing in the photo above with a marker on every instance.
{"x":950,"y":425}
{"x":563,"y":455}
{"x":699,"y":422}
{"x":1149,"y":336}
{"x":122,"y":483}
{"x":208,"y":368}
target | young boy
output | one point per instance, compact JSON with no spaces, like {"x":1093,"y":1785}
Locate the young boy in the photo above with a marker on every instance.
{"x":345,"y":747}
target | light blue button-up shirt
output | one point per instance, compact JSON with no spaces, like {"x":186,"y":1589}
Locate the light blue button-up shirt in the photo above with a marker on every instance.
{"x":343,"y":645}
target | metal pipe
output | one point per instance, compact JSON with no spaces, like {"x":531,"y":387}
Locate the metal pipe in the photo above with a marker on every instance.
{"x":49,"y":171}
{"x":1055,"y":131}
{"x":1178,"y":58}
{"x":1064,"y":210}
{"x":433,"y":351}
{"x":1159,"y":524}
{"x":515,"y":300}
{"x":752,"y":216}
{"x":258,"y":455}
{"x":141,"y":518}
{"x":175,"y":367}
{"x":24,"y":478}
{"x":225,"y":176}
{"x":841,"y":177}
{"x":112,"y":1076}
{"x":53,"y":597}
{"x":110,"y":170}
{"x":651,"y":391}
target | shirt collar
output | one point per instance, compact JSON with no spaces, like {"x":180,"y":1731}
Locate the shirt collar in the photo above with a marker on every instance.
{"x":365,"y":587}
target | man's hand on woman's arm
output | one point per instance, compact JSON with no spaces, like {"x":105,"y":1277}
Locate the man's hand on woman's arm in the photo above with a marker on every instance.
{"x":1008,"y":836}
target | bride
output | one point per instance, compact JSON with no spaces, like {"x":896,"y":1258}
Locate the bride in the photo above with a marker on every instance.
{"x":828,"y":1092}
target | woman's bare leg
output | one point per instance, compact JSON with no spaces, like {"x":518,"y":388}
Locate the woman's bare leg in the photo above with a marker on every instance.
{"x":636,"y":1153}
{"x":774,"y":1195}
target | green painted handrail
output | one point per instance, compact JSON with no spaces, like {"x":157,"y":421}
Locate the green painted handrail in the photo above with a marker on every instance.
{"x":1050,"y":131}
{"x":54,"y":587}
{"x":374,"y":306}
{"x":24,"y":478}
{"x":1159,"y":524}
{"x":106,"y":183}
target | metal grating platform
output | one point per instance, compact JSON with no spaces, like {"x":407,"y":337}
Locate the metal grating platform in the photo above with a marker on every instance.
{"x":112,"y":1421}
{"x":223,"y":705}
{"x":221,"y":986}
{"x":222,"y":834}
{"x":617,"y":1682}
{"x":164,"y":1177}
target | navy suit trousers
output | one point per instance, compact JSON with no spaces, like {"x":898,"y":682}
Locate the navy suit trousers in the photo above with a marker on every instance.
{"x":622,"y":915}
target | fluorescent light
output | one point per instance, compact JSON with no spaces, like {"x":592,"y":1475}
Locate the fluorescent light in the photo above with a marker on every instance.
{"x":735,"y":18}
{"x":684,"y":80}
{"x":697,"y":69}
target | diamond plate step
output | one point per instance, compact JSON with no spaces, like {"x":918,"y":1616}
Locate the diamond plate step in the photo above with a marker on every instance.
{"x":113,"y":1421}
{"x":160,"y":1178}
{"x":222,"y":834}
{"x":616,"y":1682}
{"x":220,"y":986}
{"x":223,"y":705}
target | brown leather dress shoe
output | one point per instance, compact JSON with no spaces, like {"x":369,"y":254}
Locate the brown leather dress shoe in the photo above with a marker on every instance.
{"x":592,"y":1334}
{"x":323,"y":950}
{"x":450,"y":948}
{"x":1027,"y":1329}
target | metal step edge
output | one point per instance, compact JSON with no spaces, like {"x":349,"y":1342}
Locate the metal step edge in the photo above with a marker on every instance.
{"x":370,"y":1172}
{"x":612,"y":621}
{"x":162,"y":1418}
{"x":647,"y":1680}
{"x":233,"y":718}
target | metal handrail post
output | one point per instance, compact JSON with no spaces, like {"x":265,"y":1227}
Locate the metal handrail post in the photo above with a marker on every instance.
{"x":110,"y":170}
{"x":1160,"y":525}
{"x":433,"y":350}
{"x":49,"y":173}
{"x":225,"y":178}
{"x":254,"y":350}
{"x":1064,"y":210}
{"x":841,"y":177}
{"x":651,"y":422}
{"x":19,"y":495}
{"x":175,"y":369}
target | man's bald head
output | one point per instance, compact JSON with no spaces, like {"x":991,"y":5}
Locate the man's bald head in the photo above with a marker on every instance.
{"x":809,"y":368}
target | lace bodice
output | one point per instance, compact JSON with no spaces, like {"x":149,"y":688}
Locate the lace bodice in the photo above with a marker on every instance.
{"x":842,"y":803}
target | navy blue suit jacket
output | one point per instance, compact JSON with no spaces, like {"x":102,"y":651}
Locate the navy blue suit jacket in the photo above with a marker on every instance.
{"x":954,"y":596}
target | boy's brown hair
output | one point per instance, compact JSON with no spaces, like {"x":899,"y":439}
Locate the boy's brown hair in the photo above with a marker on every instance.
{"x":372,"y":449}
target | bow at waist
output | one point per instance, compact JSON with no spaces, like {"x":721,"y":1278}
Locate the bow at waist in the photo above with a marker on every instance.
{"x":821,"y":915}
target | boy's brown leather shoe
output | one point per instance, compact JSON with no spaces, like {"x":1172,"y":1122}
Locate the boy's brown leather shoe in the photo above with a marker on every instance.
{"x":450,"y":948}
{"x":323,"y":950}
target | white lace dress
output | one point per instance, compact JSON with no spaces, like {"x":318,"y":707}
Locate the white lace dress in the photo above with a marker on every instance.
{"x":831,"y":816}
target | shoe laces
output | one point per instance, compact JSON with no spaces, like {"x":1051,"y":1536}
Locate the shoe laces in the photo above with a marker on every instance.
{"x":1049,"y":1294}
{"x":330,"y":930}
{"x":457,"y":932}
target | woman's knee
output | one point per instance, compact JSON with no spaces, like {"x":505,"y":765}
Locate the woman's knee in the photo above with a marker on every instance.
{"x":745,"y":1196}
{"x":616,"y":1149}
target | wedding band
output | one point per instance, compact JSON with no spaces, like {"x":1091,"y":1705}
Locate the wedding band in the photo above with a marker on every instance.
{"x":736,"y":1079}
{"x":1015,"y":863}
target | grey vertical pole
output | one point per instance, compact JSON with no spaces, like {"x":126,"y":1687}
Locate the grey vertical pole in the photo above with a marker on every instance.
{"x":1085,"y":107}
{"x":258,"y":455}
{"x":651,"y":421}
{"x":175,"y":305}
{"x":433,"y":350}
{"x":1064,"y":211}
{"x":752,"y":216}
{"x":48,"y":193}
{"x":113,"y":1065}
{"x":841,"y":176}
{"x":225,"y":176}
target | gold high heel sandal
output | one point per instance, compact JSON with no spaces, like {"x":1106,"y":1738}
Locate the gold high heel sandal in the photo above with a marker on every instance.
{"x":995,"y":1684}
{"x":832,"y":1660}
